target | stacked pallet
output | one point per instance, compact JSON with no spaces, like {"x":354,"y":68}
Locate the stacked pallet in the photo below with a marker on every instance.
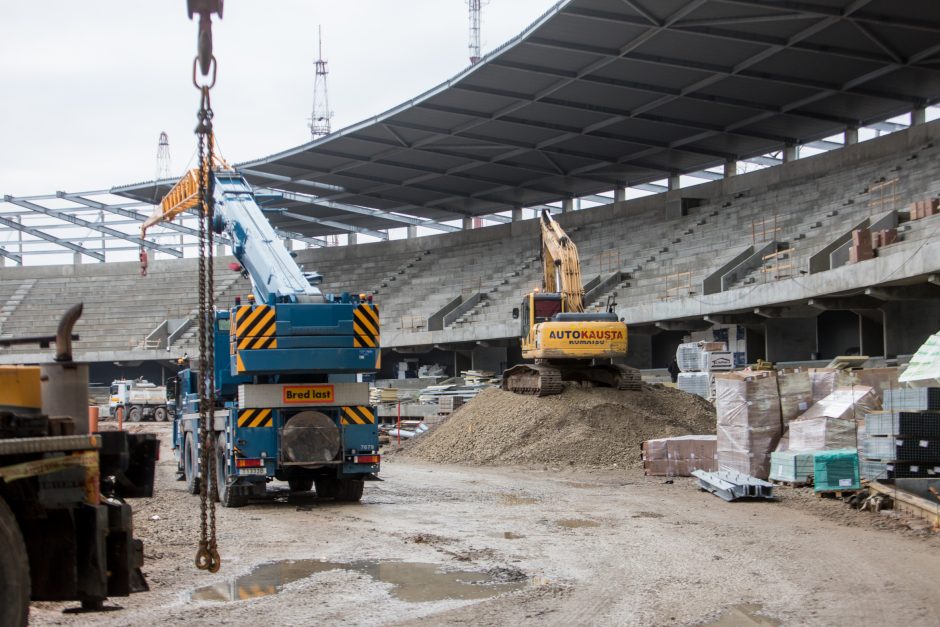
{"x":697,"y":362}
{"x":378,"y":396}
{"x":903,"y":440}
{"x":861,"y":249}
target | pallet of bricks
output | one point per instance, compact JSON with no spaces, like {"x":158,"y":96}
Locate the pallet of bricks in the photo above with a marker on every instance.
{"x":903,"y":440}
{"x":925,"y":208}
{"x":698,"y":361}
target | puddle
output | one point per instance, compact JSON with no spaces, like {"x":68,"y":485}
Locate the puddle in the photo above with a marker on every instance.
{"x":745,"y":615}
{"x":573,"y":523}
{"x":509,"y":535}
{"x":412,"y":582}
{"x":512,"y":499}
{"x":646,"y":515}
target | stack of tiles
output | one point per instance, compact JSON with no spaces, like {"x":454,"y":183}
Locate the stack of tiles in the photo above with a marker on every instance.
{"x":903,"y":441}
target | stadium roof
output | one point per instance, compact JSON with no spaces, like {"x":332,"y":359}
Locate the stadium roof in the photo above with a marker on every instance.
{"x":601,"y":94}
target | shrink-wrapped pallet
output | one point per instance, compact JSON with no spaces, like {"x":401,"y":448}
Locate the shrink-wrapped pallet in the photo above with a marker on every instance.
{"x":748,"y":409}
{"x":796,"y":394}
{"x":679,"y":456}
{"x":822,"y":433}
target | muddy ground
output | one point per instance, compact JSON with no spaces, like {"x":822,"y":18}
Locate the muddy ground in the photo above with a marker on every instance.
{"x":548,"y":545}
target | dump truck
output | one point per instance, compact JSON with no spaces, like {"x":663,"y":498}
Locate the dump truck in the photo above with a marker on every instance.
{"x":138,"y":399}
{"x":66,"y":532}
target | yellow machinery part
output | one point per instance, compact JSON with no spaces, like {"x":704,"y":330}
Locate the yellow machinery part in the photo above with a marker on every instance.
{"x":20,"y":388}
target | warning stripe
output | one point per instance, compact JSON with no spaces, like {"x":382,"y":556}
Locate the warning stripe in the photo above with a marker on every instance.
{"x":255,"y":418}
{"x":360,"y":415}
{"x":257,"y":343}
{"x":260,"y":322}
{"x":366,"y":326}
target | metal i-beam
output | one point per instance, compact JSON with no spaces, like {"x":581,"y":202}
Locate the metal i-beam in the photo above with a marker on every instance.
{"x":62,"y":215}
{"x":52,"y":239}
{"x":342,"y":207}
{"x":11,"y":256}
{"x":333,"y":224}
{"x":121,"y":210}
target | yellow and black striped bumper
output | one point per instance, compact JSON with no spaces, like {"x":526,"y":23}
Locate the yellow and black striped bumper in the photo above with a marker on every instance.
{"x":366,"y":326}
{"x":360,"y":415}
{"x":255,"y":418}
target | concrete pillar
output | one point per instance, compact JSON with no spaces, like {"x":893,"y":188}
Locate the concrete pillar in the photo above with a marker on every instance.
{"x":567,"y":205}
{"x":288,"y":244}
{"x":851,"y":136}
{"x":790,"y":153}
{"x":77,"y":258}
{"x":516,"y":214}
{"x":412,"y":231}
{"x":908,"y":324}
{"x":674,"y":182}
{"x":351,"y":239}
{"x":620,"y":194}
{"x":467,"y":223}
{"x":220,"y":250}
{"x":731,"y":168}
{"x":790,"y":339}
{"x":918,"y":116}
{"x":3,"y":261}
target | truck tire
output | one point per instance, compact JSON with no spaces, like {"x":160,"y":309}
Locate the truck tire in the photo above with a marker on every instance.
{"x":300,"y":485}
{"x":347,"y":490}
{"x":135,"y":414}
{"x":14,"y":571}
{"x":190,"y":464}
{"x":222,"y":480}
{"x":160,"y":414}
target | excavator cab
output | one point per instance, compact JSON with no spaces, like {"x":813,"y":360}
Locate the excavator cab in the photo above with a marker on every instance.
{"x":539,"y":307}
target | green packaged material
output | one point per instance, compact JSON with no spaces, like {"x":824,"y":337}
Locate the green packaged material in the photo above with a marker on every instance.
{"x":792,"y":466}
{"x":836,"y":470}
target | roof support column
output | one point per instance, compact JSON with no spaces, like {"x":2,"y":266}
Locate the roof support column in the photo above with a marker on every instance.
{"x":673,"y":182}
{"x":412,"y":231}
{"x":620,"y":194}
{"x":567,"y":205}
{"x":851,"y":136}
{"x":919,"y":116}
{"x":731,"y":168}
{"x":790,"y":153}
{"x":516,"y":214}
{"x":76,"y":258}
{"x":467,"y":223}
{"x":351,"y":239}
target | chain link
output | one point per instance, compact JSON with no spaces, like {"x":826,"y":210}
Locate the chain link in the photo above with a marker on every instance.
{"x":207,"y":556}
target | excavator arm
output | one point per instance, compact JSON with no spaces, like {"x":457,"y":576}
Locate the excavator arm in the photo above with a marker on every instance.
{"x":561,"y":264}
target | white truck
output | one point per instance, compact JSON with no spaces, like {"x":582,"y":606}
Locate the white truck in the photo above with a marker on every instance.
{"x":138,"y":399}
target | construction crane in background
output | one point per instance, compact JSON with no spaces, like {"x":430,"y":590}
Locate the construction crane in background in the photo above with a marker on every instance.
{"x":321,"y":115}
{"x":476,"y":21}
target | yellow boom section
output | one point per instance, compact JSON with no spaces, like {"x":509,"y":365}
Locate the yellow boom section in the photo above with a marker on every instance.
{"x":561,"y":265}
{"x":183,"y":197}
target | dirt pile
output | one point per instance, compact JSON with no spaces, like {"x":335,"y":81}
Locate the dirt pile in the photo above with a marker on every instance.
{"x":580,"y":427}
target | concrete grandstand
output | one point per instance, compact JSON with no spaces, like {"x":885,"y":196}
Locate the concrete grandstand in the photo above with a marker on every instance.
{"x":594,"y":99}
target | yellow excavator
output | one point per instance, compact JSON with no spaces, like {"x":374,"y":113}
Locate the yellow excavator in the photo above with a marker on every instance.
{"x":566,"y":342}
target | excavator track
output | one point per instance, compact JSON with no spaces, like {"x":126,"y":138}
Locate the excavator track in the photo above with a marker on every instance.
{"x":533,"y":379}
{"x":630,"y":379}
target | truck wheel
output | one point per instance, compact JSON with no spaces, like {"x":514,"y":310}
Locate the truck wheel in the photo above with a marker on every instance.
{"x":325,"y":488}
{"x":135,"y":414}
{"x":300,"y":485}
{"x":191,"y":464}
{"x":159,"y":414}
{"x":14,"y":571}
{"x":222,"y":480}
{"x":349,"y":489}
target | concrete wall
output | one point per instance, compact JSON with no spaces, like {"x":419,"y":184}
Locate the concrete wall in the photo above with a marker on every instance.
{"x":908,"y":324}
{"x":790,"y":339}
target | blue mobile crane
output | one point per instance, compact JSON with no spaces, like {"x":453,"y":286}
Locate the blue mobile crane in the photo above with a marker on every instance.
{"x":288,"y":405}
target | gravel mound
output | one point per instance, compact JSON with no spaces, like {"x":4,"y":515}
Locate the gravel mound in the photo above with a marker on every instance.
{"x":586,"y":427}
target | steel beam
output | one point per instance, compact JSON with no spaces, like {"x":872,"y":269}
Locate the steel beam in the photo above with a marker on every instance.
{"x":333,"y":224}
{"x":52,"y":239}
{"x":11,"y":256}
{"x":95,"y":226}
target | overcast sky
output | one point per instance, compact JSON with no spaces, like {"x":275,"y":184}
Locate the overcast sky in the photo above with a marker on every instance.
{"x":86,"y":87}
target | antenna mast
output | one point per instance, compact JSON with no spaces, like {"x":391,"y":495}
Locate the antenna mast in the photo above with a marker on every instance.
{"x":476,"y":14}
{"x":321,"y":114}
{"x":163,"y":158}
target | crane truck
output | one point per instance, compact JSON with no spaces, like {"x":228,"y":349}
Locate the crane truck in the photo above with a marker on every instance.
{"x":566,"y":342}
{"x":289,"y":406}
{"x":66,"y":533}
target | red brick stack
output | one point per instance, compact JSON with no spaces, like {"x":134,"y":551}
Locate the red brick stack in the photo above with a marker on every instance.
{"x":925,"y":208}
{"x":883,"y":237}
{"x":861,"y":249}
